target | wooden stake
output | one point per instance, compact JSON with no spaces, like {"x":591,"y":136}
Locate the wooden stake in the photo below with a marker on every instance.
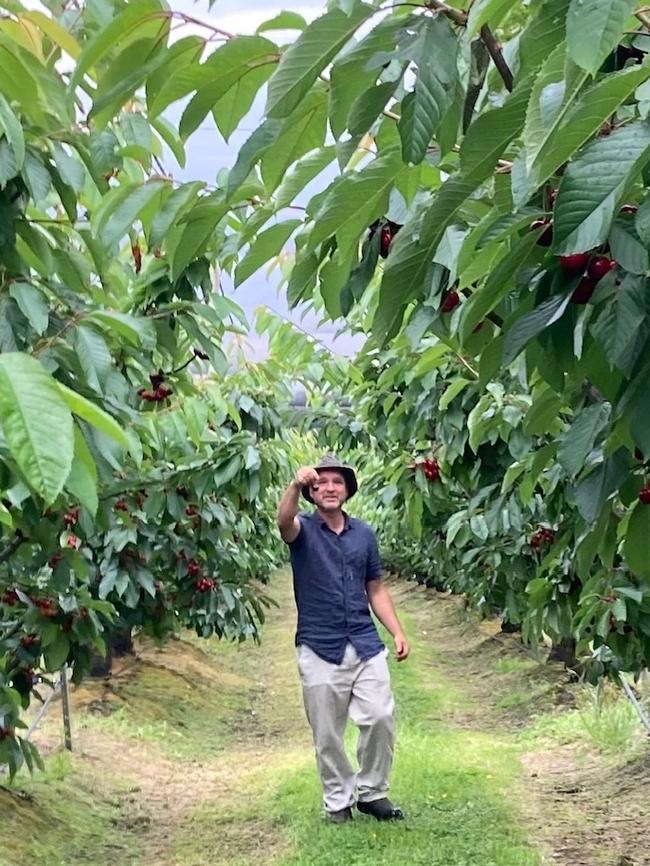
{"x":65,"y":695}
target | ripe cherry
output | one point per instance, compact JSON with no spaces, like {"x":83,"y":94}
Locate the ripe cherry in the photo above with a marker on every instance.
{"x":644,"y":494}
{"x":450,"y":302}
{"x":629,"y":208}
{"x":575,"y":263}
{"x":599,"y":267}
{"x":583,"y":291}
{"x":385,"y":240}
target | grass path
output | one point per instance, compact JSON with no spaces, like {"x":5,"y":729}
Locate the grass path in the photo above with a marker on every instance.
{"x":201,"y":754}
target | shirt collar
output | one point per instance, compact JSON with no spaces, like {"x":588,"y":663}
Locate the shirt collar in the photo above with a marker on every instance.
{"x":318,"y":517}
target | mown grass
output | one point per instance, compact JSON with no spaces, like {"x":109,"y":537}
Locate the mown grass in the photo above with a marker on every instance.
{"x":62,"y":817}
{"x":169,"y":708}
{"x":457,"y":788}
{"x":604,"y":719}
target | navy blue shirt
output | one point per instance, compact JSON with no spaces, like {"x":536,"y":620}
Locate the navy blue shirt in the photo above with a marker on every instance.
{"x":330,"y":573}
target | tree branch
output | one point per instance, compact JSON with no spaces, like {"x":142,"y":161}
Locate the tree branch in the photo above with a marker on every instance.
{"x":643,"y":17}
{"x":497,"y":56}
{"x":12,"y":547}
{"x":456,"y":15}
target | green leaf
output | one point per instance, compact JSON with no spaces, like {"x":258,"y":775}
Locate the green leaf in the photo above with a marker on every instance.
{"x":352,"y":204}
{"x":455,"y":387}
{"x":435,"y":87}
{"x":542,"y":417}
{"x":268,"y":244}
{"x":350,"y":75}
{"x":236,"y":103}
{"x":490,"y":12}
{"x":594,"y":490}
{"x":82,"y":480}
{"x":94,"y":356}
{"x":264,"y":136}
{"x":594,"y":29}
{"x":305,"y":170}
{"x":305,"y":59}
{"x":592,"y":187}
{"x":36,"y":422}
{"x":552,"y":96}
{"x":303,"y":278}
{"x":169,"y":135}
{"x":632,"y":323}
{"x":196,"y":233}
{"x":284,"y":21}
{"x":138,"y":331}
{"x":367,"y":107}
{"x":491,"y":133}
{"x":578,"y":441}
{"x":531,"y":324}
{"x":33,"y":305}
{"x":56,"y":653}
{"x":173,"y":207}
{"x":137,"y":21}
{"x":242,"y":65}
{"x":303,"y":132}
{"x":542,"y":34}
{"x":499,"y":283}
{"x":637,"y":541}
{"x":116,"y":220}
{"x":361,"y":275}
{"x":94,"y":415}
{"x":10,"y":125}
{"x":585,"y":115}
{"x":627,"y":249}
{"x":50,"y":27}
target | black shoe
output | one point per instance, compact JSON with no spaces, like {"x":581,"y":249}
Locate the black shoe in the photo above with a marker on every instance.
{"x":382,"y":810}
{"x":340,"y":817}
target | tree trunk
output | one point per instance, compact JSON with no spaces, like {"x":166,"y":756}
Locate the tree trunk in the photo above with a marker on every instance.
{"x":120,"y":643}
{"x":565,"y":652}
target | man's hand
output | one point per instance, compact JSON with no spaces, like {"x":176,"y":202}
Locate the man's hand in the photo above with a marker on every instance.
{"x":401,"y":647}
{"x":306,"y":476}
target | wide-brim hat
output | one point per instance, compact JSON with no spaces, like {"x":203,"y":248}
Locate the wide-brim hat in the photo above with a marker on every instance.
{"x":329,"y":461}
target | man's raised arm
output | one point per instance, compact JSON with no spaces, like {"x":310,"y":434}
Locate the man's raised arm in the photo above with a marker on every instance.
{"x":288,"y":522}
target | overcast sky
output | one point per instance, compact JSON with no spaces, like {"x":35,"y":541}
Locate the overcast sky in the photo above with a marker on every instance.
{"x":207,"y":152}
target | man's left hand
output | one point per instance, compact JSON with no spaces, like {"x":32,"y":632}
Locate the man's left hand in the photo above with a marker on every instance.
{"x":401,"y":647}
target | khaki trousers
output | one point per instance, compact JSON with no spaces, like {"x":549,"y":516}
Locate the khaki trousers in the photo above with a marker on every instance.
{"x":359,"y":690}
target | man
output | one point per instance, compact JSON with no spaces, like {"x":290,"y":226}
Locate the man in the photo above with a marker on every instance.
{"x":341,"y":659}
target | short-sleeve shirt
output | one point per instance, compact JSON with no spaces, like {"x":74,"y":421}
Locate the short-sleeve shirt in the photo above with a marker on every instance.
{"x":330,"y":573}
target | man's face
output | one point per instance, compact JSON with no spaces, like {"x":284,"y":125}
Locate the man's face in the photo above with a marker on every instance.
{"x":330,"y":493}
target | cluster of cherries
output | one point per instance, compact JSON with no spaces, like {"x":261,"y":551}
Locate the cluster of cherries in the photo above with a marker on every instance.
{"x":10,"y":598}
{"x":431,"y":469}
{"x":204,"y":584}
{"x":543,"y":536}
{"x":201,"y":584}
{"x":160,"y":391}
{"x":46,"y":607}
{"x":592,"y":269}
